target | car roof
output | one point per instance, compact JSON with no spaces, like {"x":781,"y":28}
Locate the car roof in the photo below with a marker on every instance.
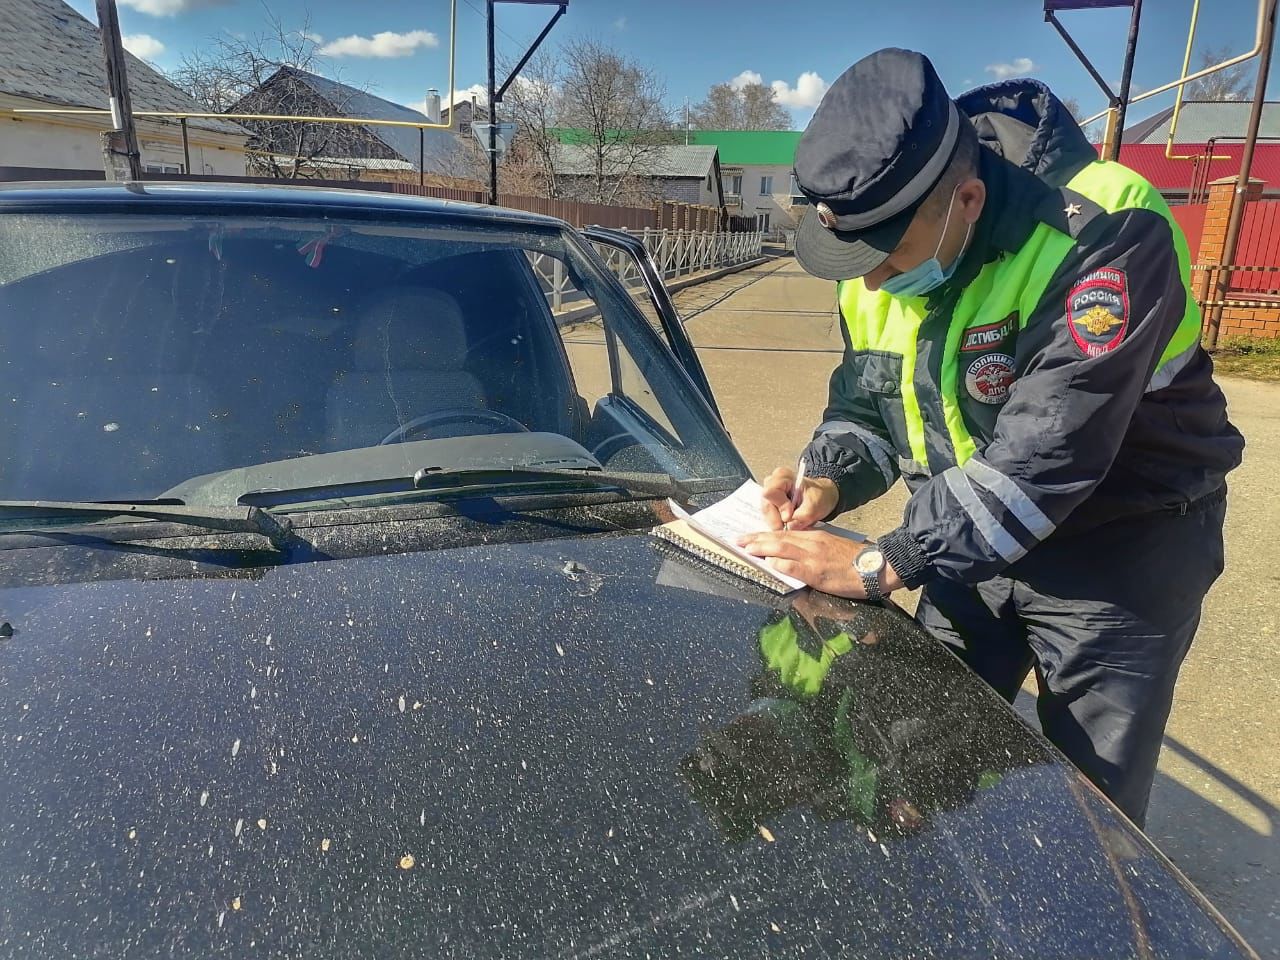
{"x":327,"y":200}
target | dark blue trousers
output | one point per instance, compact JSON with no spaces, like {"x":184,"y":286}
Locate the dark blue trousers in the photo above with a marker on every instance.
{"x":1105,"y":619}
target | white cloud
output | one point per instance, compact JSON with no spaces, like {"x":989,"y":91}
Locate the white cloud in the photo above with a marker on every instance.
{"x":807,"y":92}
{"x":620,"y":24}
{"x":745,"y":78}
{"x":311,"y":37}
{"x":142,"y":45}
{"x":170,"y":8}
{"x":478,"y":90}
{"x":385,"y":44}
{"x":1018,"y":67}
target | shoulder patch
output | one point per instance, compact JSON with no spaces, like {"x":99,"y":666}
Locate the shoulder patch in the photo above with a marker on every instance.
{"x":1098,"y":311}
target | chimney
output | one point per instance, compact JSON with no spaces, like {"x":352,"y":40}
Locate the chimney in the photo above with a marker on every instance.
{"x":433,"y":105}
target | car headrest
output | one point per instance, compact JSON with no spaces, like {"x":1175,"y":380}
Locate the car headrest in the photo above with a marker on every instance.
{"x":411,"y":330}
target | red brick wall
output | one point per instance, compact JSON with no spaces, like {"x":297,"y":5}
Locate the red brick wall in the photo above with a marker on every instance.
{"x":1259,"y":317}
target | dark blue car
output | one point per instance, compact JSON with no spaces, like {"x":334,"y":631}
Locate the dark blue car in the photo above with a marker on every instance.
{"x":330,"y":626}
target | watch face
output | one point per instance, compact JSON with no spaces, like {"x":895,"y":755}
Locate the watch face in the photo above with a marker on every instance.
{"x":869,"y":561}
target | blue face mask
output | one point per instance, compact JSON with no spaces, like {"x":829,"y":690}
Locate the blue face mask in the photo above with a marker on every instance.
{"x":929,"y":275}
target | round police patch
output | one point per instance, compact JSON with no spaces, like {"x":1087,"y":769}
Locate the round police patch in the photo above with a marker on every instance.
{"x":1098,"y":311}
{"x":989,"y":378}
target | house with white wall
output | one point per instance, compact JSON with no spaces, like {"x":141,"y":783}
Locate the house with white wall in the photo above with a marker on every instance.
{"x":51,"y":58}
{"x":756,"y":170}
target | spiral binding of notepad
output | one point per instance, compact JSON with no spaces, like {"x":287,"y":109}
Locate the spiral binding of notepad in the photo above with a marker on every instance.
{"x":722,"y":562}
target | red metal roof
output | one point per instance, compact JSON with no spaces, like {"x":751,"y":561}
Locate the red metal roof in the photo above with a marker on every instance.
{"x":1163,"y":173}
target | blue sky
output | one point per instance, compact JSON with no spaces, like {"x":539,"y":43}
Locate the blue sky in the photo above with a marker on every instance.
{"x":399,"y":48}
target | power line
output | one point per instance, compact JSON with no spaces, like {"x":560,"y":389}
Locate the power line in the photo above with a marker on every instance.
{"x":481,"y":14}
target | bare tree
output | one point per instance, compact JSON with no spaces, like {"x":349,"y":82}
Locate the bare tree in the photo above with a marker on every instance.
{"x":749,"y":107}
{"x":1073,"y":108}
{"x":535,"y":103}
{"x":1232,"y":83}
{"x":617,"y":104}
{"x":265,"y":73}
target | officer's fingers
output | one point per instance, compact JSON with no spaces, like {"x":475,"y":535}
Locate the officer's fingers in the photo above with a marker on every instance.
{"x":773,"y":545}
{"x":777,"y":486}
{"x":775,"y":504}
{"x":772,"y":517}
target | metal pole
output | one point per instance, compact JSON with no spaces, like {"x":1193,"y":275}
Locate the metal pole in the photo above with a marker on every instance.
{"x":533,"y":48}
{"x":493,"y":113}
{"x":422,"y":154}
{"x":186,"y":148}
{"x":1080,"y":55}
{"x":1122,"y":107}
{"x":1236,"y":219}
{"x":122,"y":141}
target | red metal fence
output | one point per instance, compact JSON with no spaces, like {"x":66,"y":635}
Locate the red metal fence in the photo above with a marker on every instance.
{"x":1259,"y":246}
{"x":1190,"y":218}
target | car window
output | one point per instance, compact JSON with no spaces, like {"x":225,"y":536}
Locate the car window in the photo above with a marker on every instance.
{"x":583,"y":331}
{"x":141,"y":352}
{"x":624,"y":267}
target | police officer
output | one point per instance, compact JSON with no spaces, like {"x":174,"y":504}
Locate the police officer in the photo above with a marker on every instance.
{"x":1022,"y":349}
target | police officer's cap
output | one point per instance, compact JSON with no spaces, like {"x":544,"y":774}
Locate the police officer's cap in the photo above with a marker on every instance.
{"x":877,"y":144}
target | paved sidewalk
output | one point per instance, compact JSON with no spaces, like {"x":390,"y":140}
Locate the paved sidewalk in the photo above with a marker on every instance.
{"x":769,"y":339}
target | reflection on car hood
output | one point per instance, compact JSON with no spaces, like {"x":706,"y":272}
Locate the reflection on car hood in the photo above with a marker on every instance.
{"x":567,"y":748}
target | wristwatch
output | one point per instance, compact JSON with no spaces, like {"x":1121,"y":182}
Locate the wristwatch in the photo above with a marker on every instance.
{"x":869,"y":564}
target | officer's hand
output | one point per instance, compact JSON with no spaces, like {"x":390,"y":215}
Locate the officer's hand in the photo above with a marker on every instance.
{"x":822,"y":560}
{"x":819,"y":498}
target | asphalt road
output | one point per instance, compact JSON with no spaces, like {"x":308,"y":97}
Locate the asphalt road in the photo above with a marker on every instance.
{"x":768,"y":338}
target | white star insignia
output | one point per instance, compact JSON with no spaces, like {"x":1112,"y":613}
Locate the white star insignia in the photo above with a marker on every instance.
{"x":1072,"y":210}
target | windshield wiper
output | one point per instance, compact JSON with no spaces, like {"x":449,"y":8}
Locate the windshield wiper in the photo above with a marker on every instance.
{"x":431,"y":478}
{"x":652,"y":484}
{"x":238,"y":519}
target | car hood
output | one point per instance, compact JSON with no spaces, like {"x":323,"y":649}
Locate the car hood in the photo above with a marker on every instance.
{"x":574,"y":747}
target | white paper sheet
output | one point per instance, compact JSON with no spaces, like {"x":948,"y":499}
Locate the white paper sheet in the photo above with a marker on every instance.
{"x":738,"y":515}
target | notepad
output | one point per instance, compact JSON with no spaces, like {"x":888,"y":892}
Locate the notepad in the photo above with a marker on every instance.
{"x":711,"y":534}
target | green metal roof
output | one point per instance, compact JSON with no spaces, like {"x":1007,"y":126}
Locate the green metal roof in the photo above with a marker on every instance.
{"x":750,"y":147}
{"x":738,"y":148}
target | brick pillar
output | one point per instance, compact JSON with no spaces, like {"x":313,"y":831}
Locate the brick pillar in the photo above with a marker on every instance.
{"x":1214,"y":237}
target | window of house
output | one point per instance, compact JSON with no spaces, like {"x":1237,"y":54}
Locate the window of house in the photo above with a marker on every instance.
{"x":733,"y":184}
{"x":766,"y":186}
{"x":162,"y":168}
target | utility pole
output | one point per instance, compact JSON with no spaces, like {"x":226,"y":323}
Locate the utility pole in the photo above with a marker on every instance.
{"x":1118,"y":103}
{"x":493,"y":113}
{"x":496,"y":92}
{"x":120,"y":155}
{"x":1236,"y":218}
{"x":1122,"y":107}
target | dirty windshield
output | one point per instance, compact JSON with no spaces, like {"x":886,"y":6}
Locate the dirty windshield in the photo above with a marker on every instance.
{"x":146,"y":355}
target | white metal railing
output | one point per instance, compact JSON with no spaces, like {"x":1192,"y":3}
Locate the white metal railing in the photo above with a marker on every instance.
{"x":678,"y":253}
{"x":675,"y":253}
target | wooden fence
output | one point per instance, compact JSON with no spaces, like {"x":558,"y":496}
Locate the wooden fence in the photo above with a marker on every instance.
{"x":664,"y":215}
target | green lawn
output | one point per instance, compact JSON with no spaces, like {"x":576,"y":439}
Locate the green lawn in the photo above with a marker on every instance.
{"x":1249,"y":357}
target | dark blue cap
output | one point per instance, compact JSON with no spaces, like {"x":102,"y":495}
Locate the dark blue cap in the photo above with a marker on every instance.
{"x":877,"y":144}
